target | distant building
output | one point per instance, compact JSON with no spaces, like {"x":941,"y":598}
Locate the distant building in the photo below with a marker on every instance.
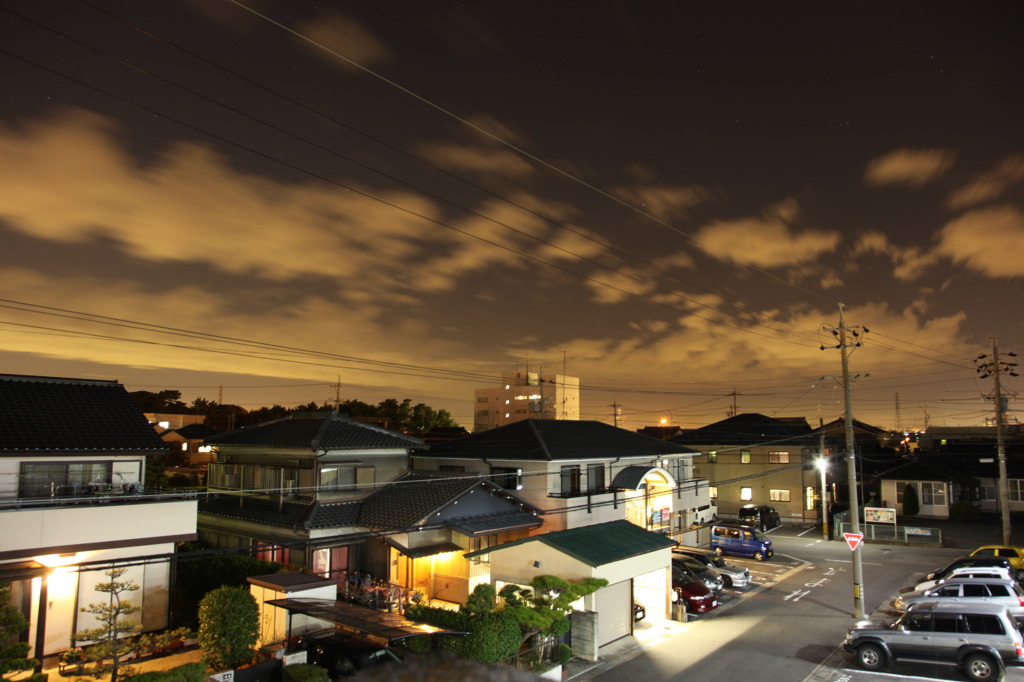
{"x":527,"y":395}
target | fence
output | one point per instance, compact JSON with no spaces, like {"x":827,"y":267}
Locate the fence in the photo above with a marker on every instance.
{"x":537,"y":659}
{"x":887,"y":532}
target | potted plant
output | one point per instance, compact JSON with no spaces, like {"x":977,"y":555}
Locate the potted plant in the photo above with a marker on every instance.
{"x":74,"y":659}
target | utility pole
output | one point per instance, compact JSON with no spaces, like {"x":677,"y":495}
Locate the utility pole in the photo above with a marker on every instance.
{"x":616,"y":411}
{"x":898,"y":428}
{"x":337,"y":394}
{"x":842,"y":332}
{"x":994,"y":369}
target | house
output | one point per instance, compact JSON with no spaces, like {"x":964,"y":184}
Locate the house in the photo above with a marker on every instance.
{"x":753,"y":459}
{"x":635,"y":562}
{"x":580,"y":472}
{"x":290,"y":487}
{"x":73,"y":503}
{"x":333,"y":494}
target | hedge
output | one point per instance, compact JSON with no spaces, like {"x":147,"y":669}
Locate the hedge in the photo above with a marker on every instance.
{"x":189,"y":672}
{"x":493,"y":636}
{"x":304,"y":672}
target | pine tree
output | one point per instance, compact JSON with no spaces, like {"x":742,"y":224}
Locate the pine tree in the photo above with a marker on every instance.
{"x":114,"y":637}
{"x":13,"y":654}
{"x":911,"y":506}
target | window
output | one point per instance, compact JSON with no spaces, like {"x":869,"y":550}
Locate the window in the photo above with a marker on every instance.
{"x":713,"y":492}
{"x":778,"y":495}
{"x":55,"y":479}
{"x":901,"y":486}
{"x":595,"y":477}
{"x":570,"y":479}
{"x":482,"y":413}
{"x":1016,"y":487}
{"x":989,"y":625}
{"x":746,"y":494}
{"x":744,"y":456}
{"x":712,"y":457}
{"x":987,"y":492}
{"x":933,"y":493}
{"x":779,"y":457}
{"x":810,"y":498}
{"x":508,"y":478}
{"x":481,"y":399}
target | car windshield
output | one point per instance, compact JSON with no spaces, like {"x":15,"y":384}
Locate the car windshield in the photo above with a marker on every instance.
{"x":718,"y":562}
{"x":759,"y":535}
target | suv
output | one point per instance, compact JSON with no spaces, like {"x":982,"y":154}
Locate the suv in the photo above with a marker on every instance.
{"x":979,"y":639}
{"x":732,"y":575}
{"x":732,"y":538}
{"x":761,"y":516}
{"x":960,"y":590}
{"x":968,"y":572}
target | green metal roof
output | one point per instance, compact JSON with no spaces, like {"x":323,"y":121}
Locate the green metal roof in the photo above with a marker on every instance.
{"x":597,"y":545}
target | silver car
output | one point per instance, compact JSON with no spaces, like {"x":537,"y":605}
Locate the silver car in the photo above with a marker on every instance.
{"x":732,"y":575}
{"x":968,"y":591}
{"x":709,"y":576}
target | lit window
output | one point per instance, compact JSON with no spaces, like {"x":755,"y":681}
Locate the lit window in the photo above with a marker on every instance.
{"x":744,"y":456}
{"x":778,"y":495}
{"x":780,"y":457}
{"x":184,"y":447}
{"x":713,"y":492}
{"x":712,"y":457}
{"x":746,"y":494}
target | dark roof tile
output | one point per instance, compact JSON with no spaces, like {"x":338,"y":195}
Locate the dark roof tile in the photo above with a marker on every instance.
{"x":321,"y":431}
{"x":52,"y":414}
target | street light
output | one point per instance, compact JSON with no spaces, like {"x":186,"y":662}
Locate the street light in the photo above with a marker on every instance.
{"x":822,"y":464}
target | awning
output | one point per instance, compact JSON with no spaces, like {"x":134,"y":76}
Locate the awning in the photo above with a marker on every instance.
{"x":631,"y":477}
{"x":425,"y":550}
{"x":380,"y":625}
{"x":497,"y":523}
{"x":22,"y":570}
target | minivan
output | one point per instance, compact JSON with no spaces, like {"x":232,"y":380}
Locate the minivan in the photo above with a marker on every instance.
{"x":732,"y":538}
{"x":763,"y":516}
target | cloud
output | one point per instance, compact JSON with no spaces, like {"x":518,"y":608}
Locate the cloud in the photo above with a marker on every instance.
{"x":909,"y":262}
{"x":462,"y":158}
{"x":987,"y":240}
{"x":342,"y":35}
{"x":664,"y":202}
{"x":764,"y":243}
{"x":990,"y":185}
{"x":913,"y":167}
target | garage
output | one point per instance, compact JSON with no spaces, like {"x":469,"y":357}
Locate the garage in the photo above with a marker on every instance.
{"x":614,"y":604}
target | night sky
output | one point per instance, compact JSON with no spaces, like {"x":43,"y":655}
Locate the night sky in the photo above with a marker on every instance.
{"x":669,"y":200}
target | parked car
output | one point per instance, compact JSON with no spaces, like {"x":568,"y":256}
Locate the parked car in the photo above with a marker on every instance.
{"x":997,"y":572}
{"x":1014,"y":554}
{"x":698,"y":598}
{"x":961,"y":590}
{"x":707,"y":575}
{"x":971,"y":561}
{"x":979,"y":639}
{"x":732,"y":575}
{"x":639,"y":612}
{"x":732,"y":538}
{"x":342,"y":653}
{"x":763,"y":516}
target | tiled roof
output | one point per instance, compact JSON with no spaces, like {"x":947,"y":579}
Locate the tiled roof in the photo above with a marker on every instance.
{"x":339,"y":514}
{"x":51,"y":414}
{"x":321,"y":431}
{"x":196,"y":431}
{"x":596,"y":545}
{"x":556,"y":439}
{"x":410,"y":500}
{"x":255,"y":509}
{"x":747,"y":429}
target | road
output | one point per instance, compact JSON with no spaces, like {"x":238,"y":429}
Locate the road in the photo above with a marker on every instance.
{"x":789,"y":625}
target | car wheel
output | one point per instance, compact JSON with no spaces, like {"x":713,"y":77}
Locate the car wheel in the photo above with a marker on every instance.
{"x":870,"y":657}
{"x":981,"y":668}
{"x":759,"y":556}
{"x":726,"y":581}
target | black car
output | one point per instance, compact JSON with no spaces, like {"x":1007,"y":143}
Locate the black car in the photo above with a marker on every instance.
{"x":342,"y":653}
{"x":973,"y":562}
{"x":761,"y":516}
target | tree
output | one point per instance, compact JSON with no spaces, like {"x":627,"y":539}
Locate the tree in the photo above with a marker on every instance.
{"x":910,"y":504}
{"x":229,"y":628}
{"x":545,"y":608}
{"x":113,"y":638}
{"x":14,"y":654}
{"x":164,"y":401}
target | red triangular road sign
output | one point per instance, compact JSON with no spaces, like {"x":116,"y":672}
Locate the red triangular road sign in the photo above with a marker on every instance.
{"x":853,"y":540}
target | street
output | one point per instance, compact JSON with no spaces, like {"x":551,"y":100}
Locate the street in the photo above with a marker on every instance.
{"x":790,"y":624}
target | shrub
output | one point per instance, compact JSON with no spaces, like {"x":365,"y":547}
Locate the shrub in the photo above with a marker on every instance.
{"x":493,"y":636}
{"x":228,"y":628}
{"x":964,"y":511}
{"x":304,"y":673}
{"x":189,"y":672}
{"x":911,"y":505}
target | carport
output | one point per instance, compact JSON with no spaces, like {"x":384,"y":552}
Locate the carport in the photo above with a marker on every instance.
{"x":380,"y":626}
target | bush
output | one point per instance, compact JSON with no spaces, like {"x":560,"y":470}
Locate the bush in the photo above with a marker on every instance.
{"x":228,"y":628}
{"x":304,"y":673}
{"x":964,"y":511}
{"x":189,"y":672}
{"x":493,"y":636}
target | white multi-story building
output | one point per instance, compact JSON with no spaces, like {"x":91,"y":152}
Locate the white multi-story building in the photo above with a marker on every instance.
{"x":527,"y":395}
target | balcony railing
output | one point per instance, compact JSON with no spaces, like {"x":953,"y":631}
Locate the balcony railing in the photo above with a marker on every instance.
{"x":95,"y":495}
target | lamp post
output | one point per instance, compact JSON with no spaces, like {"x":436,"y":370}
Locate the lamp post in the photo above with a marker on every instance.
{"x":822,"y":464}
